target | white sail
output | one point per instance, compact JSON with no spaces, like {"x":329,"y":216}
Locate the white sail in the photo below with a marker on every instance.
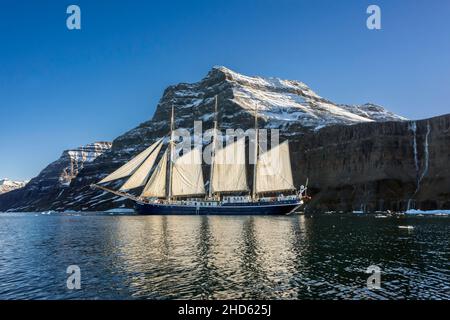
{"x":131,"y":166}
{"x":156,"y":185}
{"x":229,"y":173}
{"x":274,"y":170}
{"x":140,"y":176}
{"x":187,"y":177}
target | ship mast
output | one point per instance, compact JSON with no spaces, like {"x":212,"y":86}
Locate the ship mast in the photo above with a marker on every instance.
{"x":171,"y":142}
{"x":255,"y":166}
{"x":213,"y":150}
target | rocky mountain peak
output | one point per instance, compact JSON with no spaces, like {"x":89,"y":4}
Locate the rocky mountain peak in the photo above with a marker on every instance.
{"x":260,"y":82}
{"x":7,"y":185}
{"x":288,"y":105}
{"x":87,"y":153}
{"x":66,"y":168}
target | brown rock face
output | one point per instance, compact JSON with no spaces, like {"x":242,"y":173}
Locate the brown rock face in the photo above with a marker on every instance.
{"x":356,"y":157}
{"x":377,"y":166}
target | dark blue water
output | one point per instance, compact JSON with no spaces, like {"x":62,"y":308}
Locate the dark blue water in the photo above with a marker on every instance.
{"x":157,"y":257}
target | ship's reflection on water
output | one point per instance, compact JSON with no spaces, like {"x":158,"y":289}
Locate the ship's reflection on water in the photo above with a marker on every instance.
{"x":201,"y":257}
{"x":210,"y":257}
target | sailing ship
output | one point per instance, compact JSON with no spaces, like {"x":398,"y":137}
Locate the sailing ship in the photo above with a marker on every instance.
{"x":176,"y":186}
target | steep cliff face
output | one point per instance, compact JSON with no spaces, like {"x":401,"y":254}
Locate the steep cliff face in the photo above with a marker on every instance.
{"x":339,"y":147}
{"x":44,"y":190}
{"x":377,"y":166}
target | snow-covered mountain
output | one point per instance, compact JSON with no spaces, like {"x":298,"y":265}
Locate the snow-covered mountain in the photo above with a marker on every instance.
{"x":62,"y":171}
{"x":54,"y":179}
{"x":289,"y":105}
{"x":283,"y":102}
{"x":76,"y":159}
{"x":7,"y":185}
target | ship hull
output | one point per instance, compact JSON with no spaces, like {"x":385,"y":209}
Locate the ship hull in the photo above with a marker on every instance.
{"x":275,"y":208}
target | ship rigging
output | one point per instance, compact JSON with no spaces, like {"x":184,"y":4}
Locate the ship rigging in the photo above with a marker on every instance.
{"x":176,"y":186}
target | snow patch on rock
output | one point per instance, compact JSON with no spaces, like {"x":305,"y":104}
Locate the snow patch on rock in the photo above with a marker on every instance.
{"x":7,"y":185}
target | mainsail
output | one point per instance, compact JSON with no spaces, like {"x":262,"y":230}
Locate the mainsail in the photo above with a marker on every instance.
{"x":229,"y":174}
{"x":140,"y":176}
{"x":187,"y":177}
{"x":131,"y":166}
{"x":274,"y":170}
{"x":156,"y":186}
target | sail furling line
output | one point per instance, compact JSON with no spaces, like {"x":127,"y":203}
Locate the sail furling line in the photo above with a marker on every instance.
{"x":255,"y":165}
{"x":213,"y":150}
{"x":171,"y":144}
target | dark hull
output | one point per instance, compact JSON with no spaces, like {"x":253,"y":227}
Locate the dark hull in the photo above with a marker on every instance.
{"x":275,"y":208}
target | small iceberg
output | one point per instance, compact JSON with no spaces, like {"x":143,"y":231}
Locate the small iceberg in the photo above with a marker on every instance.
{"x":120,"y":210}
{"x":48,"y":212}
{"x":432,"y":212}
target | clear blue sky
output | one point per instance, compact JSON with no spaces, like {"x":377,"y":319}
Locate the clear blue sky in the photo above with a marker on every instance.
{"x":61,"y":89}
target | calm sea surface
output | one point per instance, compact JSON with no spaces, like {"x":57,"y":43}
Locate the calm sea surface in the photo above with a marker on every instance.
{"x":200,"y":257}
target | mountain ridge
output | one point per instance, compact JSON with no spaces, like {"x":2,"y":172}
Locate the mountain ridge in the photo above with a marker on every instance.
{"x":51,"y":182}
{"x":195,"y":101}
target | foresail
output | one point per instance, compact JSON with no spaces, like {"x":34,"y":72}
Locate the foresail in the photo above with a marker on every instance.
{"x":187,"y":177}
{"x":131,"y":166}
{"x":156,"y":185}
{"x":274,"y":170}
{"x":140,"y":177}
{"x":229,"y":172}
